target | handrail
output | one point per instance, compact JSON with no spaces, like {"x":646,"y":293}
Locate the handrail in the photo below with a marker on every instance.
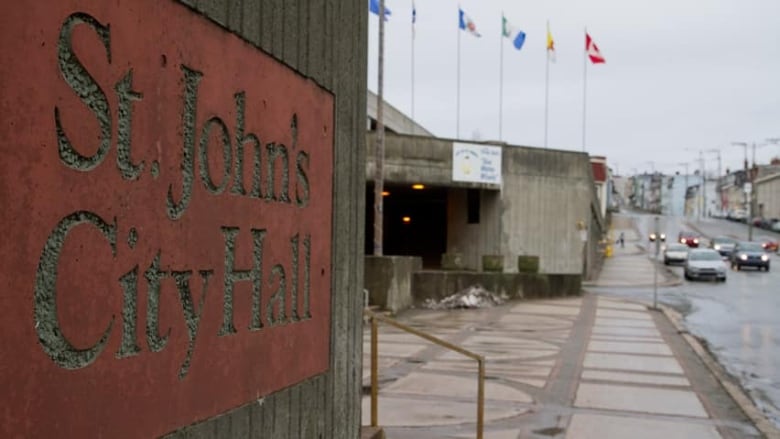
{"x":375,"y":365}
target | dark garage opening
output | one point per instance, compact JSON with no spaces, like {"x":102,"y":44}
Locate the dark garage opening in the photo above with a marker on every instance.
{"x":415,"y":222}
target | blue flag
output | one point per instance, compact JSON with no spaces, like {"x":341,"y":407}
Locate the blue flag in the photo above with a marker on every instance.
{"x":373,"y":7}
{"x":466,"y":23}
{"x":514,"y":34}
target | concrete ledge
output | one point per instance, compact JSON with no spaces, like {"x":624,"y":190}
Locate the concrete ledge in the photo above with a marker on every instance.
{"x":388,"y":280}
{"x":435,"y":284}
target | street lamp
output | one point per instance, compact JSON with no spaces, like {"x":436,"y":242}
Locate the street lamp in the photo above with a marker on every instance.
{"x":747,"y":204}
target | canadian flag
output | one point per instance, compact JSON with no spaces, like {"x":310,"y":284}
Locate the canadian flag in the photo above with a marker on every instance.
{"x":593,"y":51}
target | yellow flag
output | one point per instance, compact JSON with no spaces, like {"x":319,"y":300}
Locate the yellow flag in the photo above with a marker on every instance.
{"x":550,"y":44}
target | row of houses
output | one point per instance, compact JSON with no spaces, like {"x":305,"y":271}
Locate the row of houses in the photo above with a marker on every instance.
{"x":705,"y":195}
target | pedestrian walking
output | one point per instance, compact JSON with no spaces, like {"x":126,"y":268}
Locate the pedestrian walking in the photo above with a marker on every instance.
{"x":622,"y":240}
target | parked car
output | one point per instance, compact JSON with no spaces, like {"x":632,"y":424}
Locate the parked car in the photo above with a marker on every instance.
{"x":689,"y":239}
{"x":776,"y":227}
{"x":738,"y":215}
{"x":749,"y":254}
{"x":767,"y":223}
{"x":769,"y":244}
{"x":704,"y":263}
{"x":757,"y":221}
{"x":675,"y":253}
{"x":723,"y":245}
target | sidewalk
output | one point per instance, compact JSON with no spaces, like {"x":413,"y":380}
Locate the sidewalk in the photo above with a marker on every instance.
{"x":630,"y":266}
{"x":586,"y":367}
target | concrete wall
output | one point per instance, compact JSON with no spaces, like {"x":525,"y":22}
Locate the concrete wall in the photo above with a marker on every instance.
{"x":768,"y":194}
{"x":416,"y":159}
{"x":474,"y":240}
{"x":324,"y":41}
{"x":545,"y":194}
{"x":388,"y":280}
{"x":437,"y":285}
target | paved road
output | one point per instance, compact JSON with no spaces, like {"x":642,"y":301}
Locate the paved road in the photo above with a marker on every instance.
{"x":740,"y":320}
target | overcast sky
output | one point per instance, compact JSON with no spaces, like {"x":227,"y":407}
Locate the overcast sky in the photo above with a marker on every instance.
{"x":679,"y":74}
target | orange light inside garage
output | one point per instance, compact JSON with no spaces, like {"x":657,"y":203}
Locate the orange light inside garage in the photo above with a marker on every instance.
{"x":385,"y":193}
{"x":418,"y":186}
{"x":406,"y":219}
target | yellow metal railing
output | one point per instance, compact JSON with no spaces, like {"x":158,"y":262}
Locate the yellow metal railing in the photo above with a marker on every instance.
{"x":375,"y":318}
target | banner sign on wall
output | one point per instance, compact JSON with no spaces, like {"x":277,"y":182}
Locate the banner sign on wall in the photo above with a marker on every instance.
{"x":476,"y":163}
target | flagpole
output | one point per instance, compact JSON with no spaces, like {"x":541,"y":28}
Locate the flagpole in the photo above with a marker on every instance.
{"x":584,"y":88}
{"x":457,"y":104}
{"x":414,"y":11}
{"x":547,"y":90}
{"x":501,"y":83}
{"x":380,"y":139}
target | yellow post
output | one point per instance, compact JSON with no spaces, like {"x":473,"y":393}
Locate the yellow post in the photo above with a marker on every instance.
{"x":608,"y":253}
{"x":481,"y":398}
{"x":374,"y":373}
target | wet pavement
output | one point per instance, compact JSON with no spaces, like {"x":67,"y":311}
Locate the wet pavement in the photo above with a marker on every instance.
{"x":584,"y":367}
{"x":739,"y":320}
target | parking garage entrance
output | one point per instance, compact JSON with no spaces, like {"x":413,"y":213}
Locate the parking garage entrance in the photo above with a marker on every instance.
{"x":414,"y":223}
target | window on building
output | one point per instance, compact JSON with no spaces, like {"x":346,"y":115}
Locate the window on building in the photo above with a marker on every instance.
{"x":472,"y":205}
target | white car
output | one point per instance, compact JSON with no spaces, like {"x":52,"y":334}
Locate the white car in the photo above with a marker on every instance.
{"x":675,"y":253}
{"x":704,"y":263}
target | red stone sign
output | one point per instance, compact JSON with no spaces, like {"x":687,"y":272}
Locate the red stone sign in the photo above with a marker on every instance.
{"x":166,"y":213}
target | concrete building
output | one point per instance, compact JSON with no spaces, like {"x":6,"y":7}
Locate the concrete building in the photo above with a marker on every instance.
{"x":701,"y":203}
{"x":394,"y":120}
{"x":768,"y":196}
{"x":540,"y":204}
{"x":732,"y":191}
{"x":674,"y":194}
{"x":602,"y":182}
{"x":623,"y":187}
{"x":647,"y":192}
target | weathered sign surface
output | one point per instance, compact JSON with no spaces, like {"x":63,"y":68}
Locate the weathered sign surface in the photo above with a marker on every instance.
{"x":166,"y":211}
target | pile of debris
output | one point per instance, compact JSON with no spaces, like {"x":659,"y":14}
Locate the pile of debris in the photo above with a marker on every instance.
{"x":474,"y":296}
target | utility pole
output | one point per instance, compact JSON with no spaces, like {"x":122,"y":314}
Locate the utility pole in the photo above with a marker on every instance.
{"x":379,"y":160}
{"x":655,"y":263}
{"x":753,"y":172}
{"x":750,"y":220}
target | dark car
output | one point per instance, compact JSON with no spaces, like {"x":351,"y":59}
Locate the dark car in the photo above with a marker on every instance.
{"x":723,"y":245}
{"x":689,"y":239}
{"x":749,"y":254}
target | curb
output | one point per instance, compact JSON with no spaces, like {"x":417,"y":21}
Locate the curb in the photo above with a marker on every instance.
{"x":737,"y":393}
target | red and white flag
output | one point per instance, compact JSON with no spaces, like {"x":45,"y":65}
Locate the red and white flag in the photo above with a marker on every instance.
{"x":593,"y":51}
